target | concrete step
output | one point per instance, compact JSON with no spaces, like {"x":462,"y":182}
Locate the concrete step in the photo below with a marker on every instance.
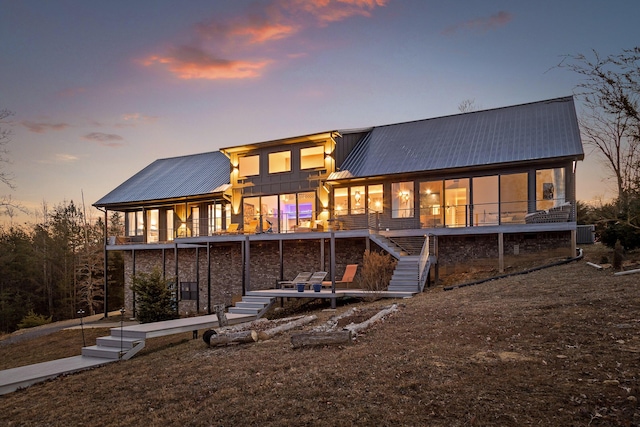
{"x":249,"y":298}
{"x":251,"y":304}
{"x":102,"y":352}
{"x":240,"y":310}
{"x":116,"y":342}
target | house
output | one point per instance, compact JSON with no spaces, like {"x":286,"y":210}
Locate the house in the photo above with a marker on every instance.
{"x":488,"y":187}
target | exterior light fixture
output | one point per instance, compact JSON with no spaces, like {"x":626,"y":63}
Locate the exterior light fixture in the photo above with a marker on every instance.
{"x":356,"y":197}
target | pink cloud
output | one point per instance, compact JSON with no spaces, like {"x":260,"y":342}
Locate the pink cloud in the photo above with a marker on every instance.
{"x":105,"y":139}
{"x":481,"y":24}
{"x":189,"y":62}
{"x":226,"y":50}
{"x":42,"y":127}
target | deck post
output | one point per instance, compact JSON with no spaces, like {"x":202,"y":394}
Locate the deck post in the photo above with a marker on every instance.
{"x":574,"y":248}
{"x":333,"y":267}
{"x":198,"y":280}
{"x":281,"y":252}
{"x":175,"y":256}
{"x":322,"y":254}
{"x":209,"y":277}
{"x":106,"y":266}
{"x":247,"y":263}
{"x":501,"y":252}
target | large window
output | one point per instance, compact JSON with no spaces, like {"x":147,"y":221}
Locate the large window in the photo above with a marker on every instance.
{"x":341,"y":201}
{"x":431,"y":204}
{"x":280,"y":162}
{"x":152,"y":221}
{"x":135,"y":223}
{"x":376,"y":199}
{"x":312,"y":157}
{"x":513,"y":197}
{"x":402,"y":199}
{"x":485,"y":200}
{"x":195,"y":221}
{"x":550,"y":188}
{"x":357,"y":200}
{"x":249,"y":166}
{"x":456,"y":199}
{"x":214,"y":216}
{"x":170,"y":222}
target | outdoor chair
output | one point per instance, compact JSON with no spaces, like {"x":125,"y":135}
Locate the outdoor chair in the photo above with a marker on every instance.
{"x":300,"y":278}
{"x":316,"y":278}
{"x":347,"y":277}
{"x":252,"y":227}
{"x":233,"y":228}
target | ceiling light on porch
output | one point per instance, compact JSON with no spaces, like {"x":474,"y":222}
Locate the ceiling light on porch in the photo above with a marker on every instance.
{"x":356,"y":197}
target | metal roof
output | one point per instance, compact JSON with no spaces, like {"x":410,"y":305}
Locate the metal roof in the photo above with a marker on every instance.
{"x":174,"y":177}
{"x":540,"y":130}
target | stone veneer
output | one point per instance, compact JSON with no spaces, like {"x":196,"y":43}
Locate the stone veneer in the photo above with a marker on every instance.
{"x":227,"y":267}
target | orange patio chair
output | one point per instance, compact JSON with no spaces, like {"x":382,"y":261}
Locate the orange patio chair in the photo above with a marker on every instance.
{"x":347,"y":277}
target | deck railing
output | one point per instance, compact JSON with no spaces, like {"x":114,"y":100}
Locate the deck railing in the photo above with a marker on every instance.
{"x":463,"y":215}
{"x":424,"y":263}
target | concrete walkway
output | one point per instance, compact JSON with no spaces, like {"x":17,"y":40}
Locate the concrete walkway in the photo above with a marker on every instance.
{"x":24,"y":376}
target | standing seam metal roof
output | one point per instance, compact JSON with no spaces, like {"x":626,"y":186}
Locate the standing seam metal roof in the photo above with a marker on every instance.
{"x":541,"y":130}
{"x":173,"y":177}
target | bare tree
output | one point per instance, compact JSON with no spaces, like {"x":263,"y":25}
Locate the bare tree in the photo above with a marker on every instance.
{"x":610,"y":93}
{"x":5,"y":137}
{"x":468,"y":105}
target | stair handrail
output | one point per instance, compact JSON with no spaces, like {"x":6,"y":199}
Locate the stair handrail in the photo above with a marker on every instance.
{"x":424,"y":264}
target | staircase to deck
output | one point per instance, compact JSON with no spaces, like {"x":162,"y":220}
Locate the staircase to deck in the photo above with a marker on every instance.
{"x":252,"y":305}
{"x":409,"y":253}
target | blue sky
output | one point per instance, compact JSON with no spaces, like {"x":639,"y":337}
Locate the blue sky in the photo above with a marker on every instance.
{"x":102,"y":89}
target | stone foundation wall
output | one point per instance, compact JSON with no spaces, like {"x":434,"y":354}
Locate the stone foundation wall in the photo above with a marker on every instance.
{"x":458,"y":254}
{"x":226,"y":279}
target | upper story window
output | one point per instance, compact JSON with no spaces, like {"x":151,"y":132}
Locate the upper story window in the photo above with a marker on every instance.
{"x":249,"y":165}
{"x":312,"y":157}
{"x":280,"y":162}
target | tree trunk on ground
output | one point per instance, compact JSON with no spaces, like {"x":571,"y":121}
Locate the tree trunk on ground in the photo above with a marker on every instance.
{"x":233,"y":338}
{"x":355,"y":328}
{"x":306,"y":339}
{"x":270,"y":333}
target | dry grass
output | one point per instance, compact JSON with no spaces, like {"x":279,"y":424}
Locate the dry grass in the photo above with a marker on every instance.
{"x":554,"y":347}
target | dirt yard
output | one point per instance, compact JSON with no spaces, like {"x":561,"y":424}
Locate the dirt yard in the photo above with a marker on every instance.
{"x":556,"y":347}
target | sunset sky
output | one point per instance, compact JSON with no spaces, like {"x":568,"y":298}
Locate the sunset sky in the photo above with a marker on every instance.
{"x":102,"y":89}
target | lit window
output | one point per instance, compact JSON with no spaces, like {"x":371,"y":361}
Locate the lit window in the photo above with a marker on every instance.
{"x":341,"y":200}
{"x":312,"y":158}
{"x":402,"y":199}
{"x":249,"y":166}
{"x":170,"y":220}
{"x":375,"y":198}
{"x":280,"y":162}
{"x":152,"y":229}
{"x":357,"y":200}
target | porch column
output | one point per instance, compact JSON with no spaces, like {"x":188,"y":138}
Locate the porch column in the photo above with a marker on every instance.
{"x":133,"y":273}
{"x":281,"y":253}
{"x":322,"y":254}
{"x":573,"y":243}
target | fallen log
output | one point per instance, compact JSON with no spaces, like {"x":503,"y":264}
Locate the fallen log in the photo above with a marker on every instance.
{"x":270,"y":333}
{"x":306,"y":339}
{"x":622,"y":273}
{"x":233,"y":338}
{"x":332,"y":323}
{"x":256,"y":324}
{"x":357,"y":327}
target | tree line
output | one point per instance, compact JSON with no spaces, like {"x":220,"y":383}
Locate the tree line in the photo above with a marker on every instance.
{"x":55,"y":268}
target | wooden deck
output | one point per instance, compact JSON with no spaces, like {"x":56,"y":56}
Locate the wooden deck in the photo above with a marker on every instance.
{"x":327,"y":293}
